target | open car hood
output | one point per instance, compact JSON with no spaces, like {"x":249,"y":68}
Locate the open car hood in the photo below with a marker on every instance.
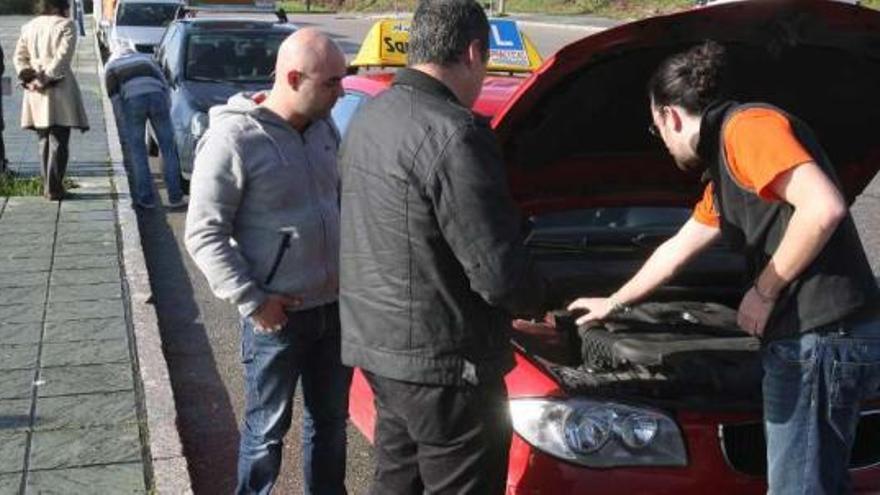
{"x":575,"y":133}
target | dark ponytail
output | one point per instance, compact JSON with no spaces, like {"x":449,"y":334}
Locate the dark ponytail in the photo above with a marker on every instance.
{"x":691,"y":79}
{"x":52,"y":7}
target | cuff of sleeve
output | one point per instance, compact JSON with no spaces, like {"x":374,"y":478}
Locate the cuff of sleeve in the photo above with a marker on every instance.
{"x":250,"y":301}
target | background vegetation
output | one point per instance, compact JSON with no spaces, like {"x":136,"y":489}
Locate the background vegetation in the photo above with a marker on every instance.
{"x":629,"y":9}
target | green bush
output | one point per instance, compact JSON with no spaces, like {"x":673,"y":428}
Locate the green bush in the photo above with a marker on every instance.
{"x":20,"y":7}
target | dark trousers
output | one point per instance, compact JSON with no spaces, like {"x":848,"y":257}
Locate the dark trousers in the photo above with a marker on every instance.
{"x":3,"y":159}
{"x":2,"y":150}
{"x":53,"y":159}
{"x":440,"y":440}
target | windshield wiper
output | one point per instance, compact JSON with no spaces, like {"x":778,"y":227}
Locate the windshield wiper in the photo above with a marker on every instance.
{"x":209,"y":79}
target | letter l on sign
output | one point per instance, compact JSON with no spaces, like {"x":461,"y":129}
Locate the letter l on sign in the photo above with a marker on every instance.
{"x":498,"y":41}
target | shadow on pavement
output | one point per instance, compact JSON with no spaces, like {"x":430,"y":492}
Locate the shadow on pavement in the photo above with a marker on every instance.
{"x":206,"y":418}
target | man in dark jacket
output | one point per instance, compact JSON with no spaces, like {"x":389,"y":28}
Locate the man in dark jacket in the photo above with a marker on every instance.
{"x":433,"y":264}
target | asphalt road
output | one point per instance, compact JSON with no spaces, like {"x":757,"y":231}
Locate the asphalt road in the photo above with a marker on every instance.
{"x":201,"y":334}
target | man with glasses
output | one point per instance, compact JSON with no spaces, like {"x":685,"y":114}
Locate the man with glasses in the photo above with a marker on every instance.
{"x":263,"y":226}
{"x":773,"y":194}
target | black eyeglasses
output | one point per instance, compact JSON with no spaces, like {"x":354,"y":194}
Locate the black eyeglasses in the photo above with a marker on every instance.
{"x":653,"y":130}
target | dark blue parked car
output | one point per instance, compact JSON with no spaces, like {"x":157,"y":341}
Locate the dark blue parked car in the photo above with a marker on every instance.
{"x":207,"y":60}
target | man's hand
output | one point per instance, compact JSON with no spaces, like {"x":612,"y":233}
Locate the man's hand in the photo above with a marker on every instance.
{"x":597,"y":308}
{"x":271,"y":316}
{"x":754,"y":311}
{"x":35,"y":85}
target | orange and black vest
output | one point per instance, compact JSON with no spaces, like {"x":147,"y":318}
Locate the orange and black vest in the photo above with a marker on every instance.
{"x":838,"y":284}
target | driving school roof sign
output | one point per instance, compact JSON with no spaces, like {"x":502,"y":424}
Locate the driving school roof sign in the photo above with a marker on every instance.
{"x":387,"y":43}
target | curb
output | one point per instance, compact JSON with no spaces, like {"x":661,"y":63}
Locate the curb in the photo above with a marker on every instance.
{"x":170,"y":472}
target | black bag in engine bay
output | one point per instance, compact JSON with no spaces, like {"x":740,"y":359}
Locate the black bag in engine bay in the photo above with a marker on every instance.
{"x":679,"y":350}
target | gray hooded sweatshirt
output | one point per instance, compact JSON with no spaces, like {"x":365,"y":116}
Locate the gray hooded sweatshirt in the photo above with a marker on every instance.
{"x":264,"y":207}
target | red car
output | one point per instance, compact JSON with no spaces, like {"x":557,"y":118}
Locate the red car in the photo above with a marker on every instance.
{"x":668,"y":402}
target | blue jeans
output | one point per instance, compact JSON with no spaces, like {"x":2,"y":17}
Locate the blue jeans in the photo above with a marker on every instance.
{"x":138,"y":109}
{"x":306,"y":349}
{"x":813,"y":388}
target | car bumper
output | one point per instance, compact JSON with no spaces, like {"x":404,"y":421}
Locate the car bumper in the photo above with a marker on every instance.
{"x":533,"y":472}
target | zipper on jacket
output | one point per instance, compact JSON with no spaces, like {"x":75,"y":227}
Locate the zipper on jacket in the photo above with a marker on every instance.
{"x":320,"y":207}
{"x":286,"y":234}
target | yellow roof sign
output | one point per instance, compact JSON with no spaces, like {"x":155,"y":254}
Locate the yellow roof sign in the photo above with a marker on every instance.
{"x":387,"y":44}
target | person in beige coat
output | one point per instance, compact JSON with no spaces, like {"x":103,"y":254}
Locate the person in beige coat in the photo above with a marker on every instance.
{"x":52,"y":104}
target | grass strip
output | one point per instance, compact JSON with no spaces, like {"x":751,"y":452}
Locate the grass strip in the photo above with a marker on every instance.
{"x":619,"y":9}
{"x":11,"y":184}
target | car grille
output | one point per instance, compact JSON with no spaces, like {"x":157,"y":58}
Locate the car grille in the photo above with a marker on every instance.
{"x":144,"y":48}
{"x":744,"y":445}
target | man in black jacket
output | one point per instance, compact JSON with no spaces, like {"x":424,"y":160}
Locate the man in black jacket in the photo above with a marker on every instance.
{"x":433,"y":264}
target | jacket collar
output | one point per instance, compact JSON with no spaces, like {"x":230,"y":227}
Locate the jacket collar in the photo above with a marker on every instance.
{"x":423,"y":82}
{"x":710,"y":128}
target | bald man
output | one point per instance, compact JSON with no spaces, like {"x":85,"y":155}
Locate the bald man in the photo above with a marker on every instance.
{"x":265,"y":177}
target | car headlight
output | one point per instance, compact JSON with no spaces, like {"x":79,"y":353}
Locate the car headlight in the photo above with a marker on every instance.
{"x":599,"y":434}
{"x":198,"y":125}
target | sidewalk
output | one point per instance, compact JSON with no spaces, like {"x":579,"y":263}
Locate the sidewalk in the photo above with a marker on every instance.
{"x":73,"y":411}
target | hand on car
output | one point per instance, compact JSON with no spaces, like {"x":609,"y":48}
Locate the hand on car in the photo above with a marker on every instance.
{"x":598,"y":308}
{"x":271,"y":316}
{"x":754,"y":311}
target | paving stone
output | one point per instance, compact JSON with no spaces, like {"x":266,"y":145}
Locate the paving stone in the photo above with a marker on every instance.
{"x":48,"y":218}
{"x":84,"y":447}
{"x":86,"y":205}
{"x":79,"y":411}
{"x":80,"y":310}
{"x":25,"y":228}
{"x":84,"y":352}
{"x":12,"y":453}
{"x":70,"y":380}
{"x":10,"y":483}
{"x":91,"y":329}
{"x":85,"y":248}
{"x":18,"y":357}
{"x":25,"y":333}
{"x":28,"y":279}
{"x":79,"y":237}
{"x":16,"y":384}
{"x":85,"y":262}
{"x":87,"y":292}
{"x":15,"y":252}
{"x":23,"y":295}
{"x":15,"y":414}
{"x":32,"y":239}
{"x":70,"y":217}
{"x":24,"y":265}
{"x":30,"y":206}
{"x":114,"y":478}
{"x":21,"y":313}
{"x":82,"y":277}
{"x":92,"y":226}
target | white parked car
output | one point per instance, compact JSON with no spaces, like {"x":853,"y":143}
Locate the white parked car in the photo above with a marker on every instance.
{"x":143,"y":22}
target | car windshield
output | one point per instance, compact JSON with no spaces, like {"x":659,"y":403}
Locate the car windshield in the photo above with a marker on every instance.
{"x":240,"y":56}
{"x":146,"y":14}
